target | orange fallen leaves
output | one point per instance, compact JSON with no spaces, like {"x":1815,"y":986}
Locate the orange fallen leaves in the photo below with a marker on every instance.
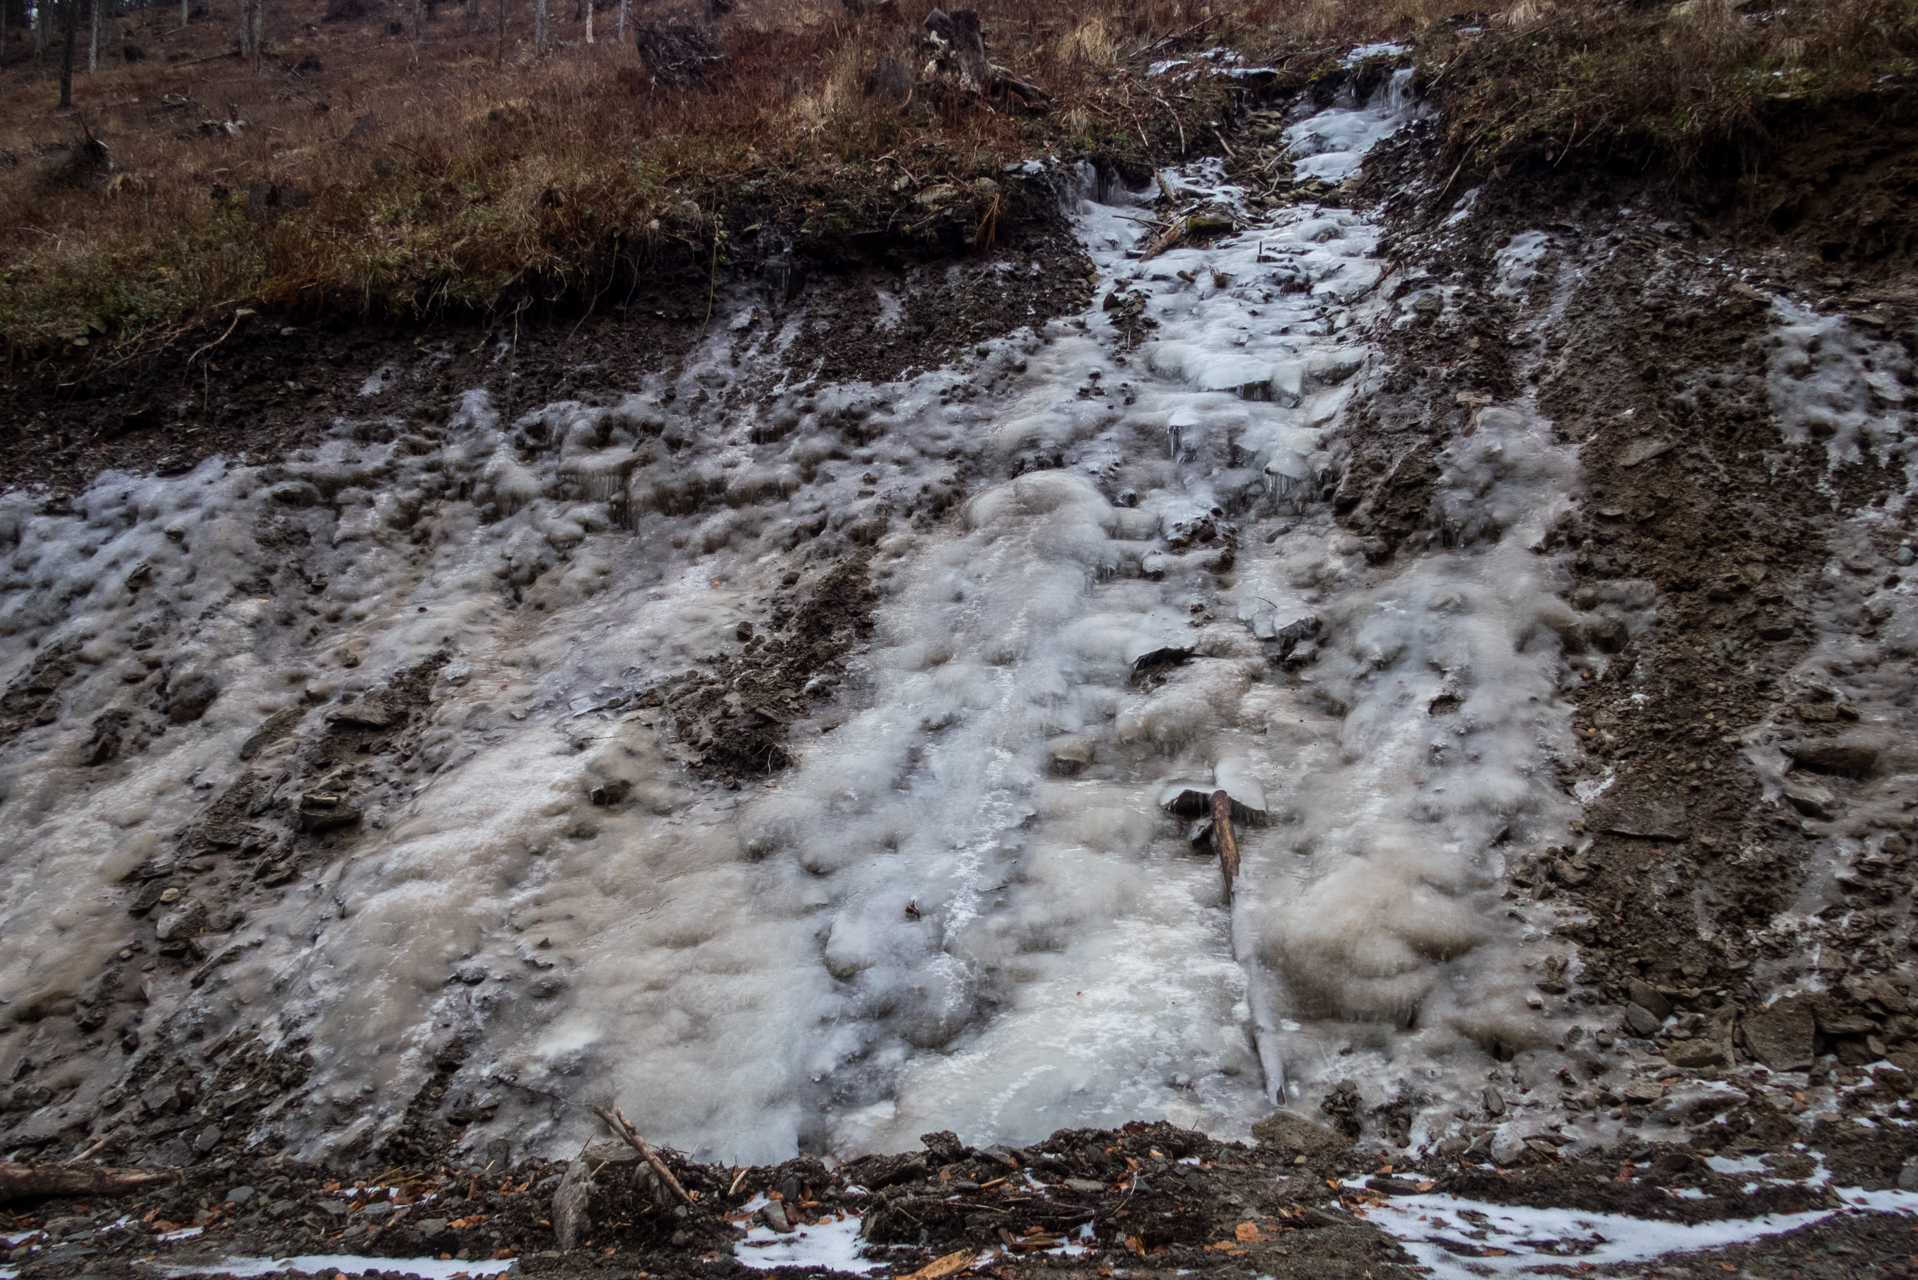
{"x":951,"y":1264}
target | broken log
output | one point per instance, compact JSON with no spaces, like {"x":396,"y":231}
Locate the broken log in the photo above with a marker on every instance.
{"x":34,"y":1182}
{"x":958,"y":43}
{"x":616,"y":1121}
{"x":680,"y":55}
{"x":1224,"y":840}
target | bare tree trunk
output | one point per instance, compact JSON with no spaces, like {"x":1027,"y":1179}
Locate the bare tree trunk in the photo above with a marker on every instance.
{"x":589,"y":21}
{"x":622,"y":21}
{"x":253,"y":32}
{"x":539,"y":27}
{"x":42,"y":23}
{"x":419,"y":19}
{"x":66,"y":56}
{"x":184,"y":4}
{"x":93,"y":38}
{"x":499,"y":48}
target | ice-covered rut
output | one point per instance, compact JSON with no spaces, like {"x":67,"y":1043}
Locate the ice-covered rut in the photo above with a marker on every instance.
{"x":962,"y":907}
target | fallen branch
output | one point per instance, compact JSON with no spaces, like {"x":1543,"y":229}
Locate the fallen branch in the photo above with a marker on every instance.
{"x":616,"y":1121}
{"x":1224,"y":840}
{"x":32,"y":1182}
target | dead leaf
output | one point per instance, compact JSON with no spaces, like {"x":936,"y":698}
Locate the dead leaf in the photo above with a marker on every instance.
{"x":951,"y":1264}
{"x":1423,"y":1186}
{"x":1247,"y":1232}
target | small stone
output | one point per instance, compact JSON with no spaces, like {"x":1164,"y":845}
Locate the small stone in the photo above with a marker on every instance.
{"x":1691,"y":1055}
{"x":1809,"y":799}
{"x":1648,"y":997}
{"x":188,"y":700}
{"x":775,"y":1217}
{"x":1494,"y":1102}
{"x":239,"y":1195}
{"x":188,"y":920}
{"x":169,"y":896}
{"x":1908,"y":1175}
{"x":1642,"y":1020}
{"x":207,"y":1139}
{"x":1780,"y":1037}
{"x":1845,"y":759}
{"x":1642,"y":1092}
{"x":1067,"y":756}
{"x":1507,"y":1147}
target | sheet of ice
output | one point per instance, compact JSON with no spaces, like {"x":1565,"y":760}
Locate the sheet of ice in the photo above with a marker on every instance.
{"x":962,"y":907}
{"x":1384,"y":49}
{"x":1331,"y":144}
{"x":327,"y":1264}
{"x":827,"y":1245}
{"x":1832,"y":380}
{"x":1466,"y":1240}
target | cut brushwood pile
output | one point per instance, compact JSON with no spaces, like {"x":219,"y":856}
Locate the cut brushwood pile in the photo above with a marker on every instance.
{"x":680,"y":55}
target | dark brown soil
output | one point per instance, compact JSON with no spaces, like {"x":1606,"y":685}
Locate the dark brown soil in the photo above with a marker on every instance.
{"x":735,"y":715}
{"x":264,"y":386}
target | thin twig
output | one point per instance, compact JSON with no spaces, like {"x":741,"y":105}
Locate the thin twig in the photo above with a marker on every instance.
{"x":216,"y":342}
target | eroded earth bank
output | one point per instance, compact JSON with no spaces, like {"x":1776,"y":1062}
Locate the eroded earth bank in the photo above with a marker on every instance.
{"x":822,"y":729}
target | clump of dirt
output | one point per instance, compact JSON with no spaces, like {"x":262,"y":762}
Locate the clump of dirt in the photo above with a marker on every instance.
{"x":735,"y":714}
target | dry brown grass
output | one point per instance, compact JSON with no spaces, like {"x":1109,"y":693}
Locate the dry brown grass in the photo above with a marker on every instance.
{"x":487,"y":175}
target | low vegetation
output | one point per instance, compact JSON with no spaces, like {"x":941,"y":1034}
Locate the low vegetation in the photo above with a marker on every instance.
{"x":379,"y":165}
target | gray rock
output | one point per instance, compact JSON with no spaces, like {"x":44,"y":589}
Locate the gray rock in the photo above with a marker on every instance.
{"x":775,"y":1217}
{"x":1507,"y":1147}
{"x":1781,"y":1036}
{"x":207,"y":1139}
{"x":1294,"y":1135}
{"x":1494,"y":1102}
{"x":570,"y":1220}
{"x":1641,"y":1020}
{"x":472,"y":973}
{"x":1691,"y":1055}
{"x":1645,"y":995}
{"x":1846,"y":759}
{"x":1809,"y":799}
{"x":188,"y":920}
{"x":1908,"y":1175}
{"x":188,"y":700}
{"x":240,"y":1195}
{"x":333,"y":1207}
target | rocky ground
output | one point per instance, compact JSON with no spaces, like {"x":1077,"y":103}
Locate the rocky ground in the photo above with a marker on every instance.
{"x":1736,"y":914}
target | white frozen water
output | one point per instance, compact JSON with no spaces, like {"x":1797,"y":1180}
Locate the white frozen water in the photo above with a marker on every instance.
{"x":928,"y":922}
{"x":826,"y":1245}
{"x":1515,"y":1240}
